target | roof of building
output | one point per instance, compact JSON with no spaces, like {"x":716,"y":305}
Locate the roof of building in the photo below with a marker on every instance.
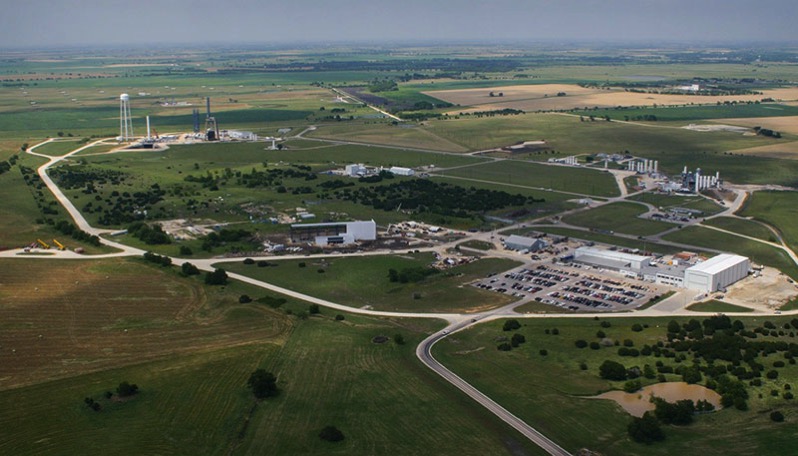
{"x":717,"y":264}
{"x":610,"y":254}
{"x":522,"y":240}
{"x":316,"y":225}
{"x":602,"y":261}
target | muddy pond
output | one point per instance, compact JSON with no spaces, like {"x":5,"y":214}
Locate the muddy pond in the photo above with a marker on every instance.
{"x":639,"y":402}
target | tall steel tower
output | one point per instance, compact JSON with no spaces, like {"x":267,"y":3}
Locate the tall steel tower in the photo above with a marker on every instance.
{"x":125,"y":122}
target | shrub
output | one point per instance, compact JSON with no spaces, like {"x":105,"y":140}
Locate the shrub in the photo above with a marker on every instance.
{"x":249,"y":261}
{"x":504,"y":347}
{"x":645,"y":430}
{"x":331,"y":434}
{"x":339,"y":317}
{"x":594,"y":346}
{"x":580,"y":343}
{"x":126,"y":389}
{"x":314,"y":309}
{"x":243,"y":299}
{"x":517,"y":339}
{"x":555,"y":331}
{"x":605,"y":324}
{"x":583,"y":366}
{"x":600,"y":334}
{"x":776,"y":416}
{"x":611,"y":370}
{"x":773,"y":374}
{"x":217,"y":277}
{"x":544,"y":352}
{"x":637,"y":327}
{"x":511,"y":325}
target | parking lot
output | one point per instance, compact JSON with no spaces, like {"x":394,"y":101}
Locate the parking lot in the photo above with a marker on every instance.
{"x":570,"y":287}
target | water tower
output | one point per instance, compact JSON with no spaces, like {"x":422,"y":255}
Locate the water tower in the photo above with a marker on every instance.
{"x":125,"y":122}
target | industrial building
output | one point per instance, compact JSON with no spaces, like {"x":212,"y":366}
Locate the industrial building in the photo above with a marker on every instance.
{"x":707,"y":276}
{"x":355,"y":170}
{"x":520,"y":243}
{"x":716,"y":273}
{"x":611,"y":259}
{"x":337,"y":233}
{"x":399,"y":171}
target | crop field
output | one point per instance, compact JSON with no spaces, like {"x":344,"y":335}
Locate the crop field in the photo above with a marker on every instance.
{"x":777,"y":209}
{"x":534,"y":175}
{"x":742,"y":114}
{"x":545,"y":390}
{"x":61,"y":319}
{"x":546,"y":98}
{"x":756,"y":251}
{"x":787,"y":122}
{"x":666,"y":202}
{"x":742,"y":226}
{"x":620,"y":217}
{"x":385,"y":133}
{"x":364,"y":282}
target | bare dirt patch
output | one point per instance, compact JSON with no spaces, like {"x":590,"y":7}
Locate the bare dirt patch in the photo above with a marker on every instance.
{"x":767,"y":292}
{"x":783,"y":124}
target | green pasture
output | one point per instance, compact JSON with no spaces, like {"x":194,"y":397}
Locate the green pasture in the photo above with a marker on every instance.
{"x":363,"y":282}
{"x":548,"y":391}
{"x":534,"y":175}
{"x":742,"y":226}
{"x":756,"y":251}
{"x":620,"y":217}
{"x":778,"y":209}
{"x":58,"y":148}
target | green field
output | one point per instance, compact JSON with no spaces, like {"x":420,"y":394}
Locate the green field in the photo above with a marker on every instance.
{"x":363,"y":281}
{"x":694,"y":113}
{"x":715,"y":306}
{"x":778,"y":209}
{"x":603,"y":238}
{"x":742,"y":226}
{"x":756,"y":251}
{"x":665,"y":202}
{"x":528,"y":174}
{"x":545,"y":390}
{"x":620,"y":217}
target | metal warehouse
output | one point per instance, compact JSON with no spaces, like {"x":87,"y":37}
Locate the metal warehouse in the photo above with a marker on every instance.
{"x":611,"y":259}
{"x":716,"y":273}
{"x":515,"y":242}
{"x":334,"y":233}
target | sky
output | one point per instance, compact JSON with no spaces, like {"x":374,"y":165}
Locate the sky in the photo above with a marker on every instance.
{"x":44,"y":23}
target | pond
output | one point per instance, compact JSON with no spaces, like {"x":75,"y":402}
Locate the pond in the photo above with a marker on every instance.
{"x":639,"y":402}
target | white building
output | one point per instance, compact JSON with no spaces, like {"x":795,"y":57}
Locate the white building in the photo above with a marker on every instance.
{"x":242,"y":135}
{"x":355,"y":170}
{"x":611,"y":259}
{"x":716,"y":273}
{"x":399,"y":171}
{"x":334,"y":233}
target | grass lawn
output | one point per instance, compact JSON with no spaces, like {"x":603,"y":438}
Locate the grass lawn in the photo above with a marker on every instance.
{"x":545,"y":390}
{"x":363,"y":281}
{"x":620,"y":217}
{"x":742,"y":226}
{"x":756,"y":251}
{"x":58,"y":148}
{"x":717,"y":307}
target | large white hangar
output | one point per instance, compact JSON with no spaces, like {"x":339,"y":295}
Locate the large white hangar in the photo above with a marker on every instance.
{"x":716,"y":273}
{"x":334,"y":233}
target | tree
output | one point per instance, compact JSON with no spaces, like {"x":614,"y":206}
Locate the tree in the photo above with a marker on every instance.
{"x":217,"y":277}
{"x":263,"y":384}
{"x":517,"y":339}
{"x":511,"y":325}
{"x":331,"y":434}
{"x":777,"y":416}
{"x":399,"y":339}
{"x":126,"y":389}
{"x":612,"y":370}
{"x":645,"y":430}
{"x":581,"y":343}
{"x":188,"y":269}
{"x":314,"y":309}
{"x":243,"y":299}
{"x":186,"y":250}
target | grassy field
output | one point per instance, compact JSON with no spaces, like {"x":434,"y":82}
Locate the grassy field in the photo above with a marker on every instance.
{"x":717,"y":307}
{"x":545,"y":390}
{"x":777,"y":209}
{"x":58,"y":148}
{"x":666,"y":202}
{"x":756,"y":251}
{"x":742,"y":226}
{"x":695,"y":113}
{"x":360,"y":282}
{"x":620,"y":217}
{"x":559,"y":178}
{"x":603,"y":238}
